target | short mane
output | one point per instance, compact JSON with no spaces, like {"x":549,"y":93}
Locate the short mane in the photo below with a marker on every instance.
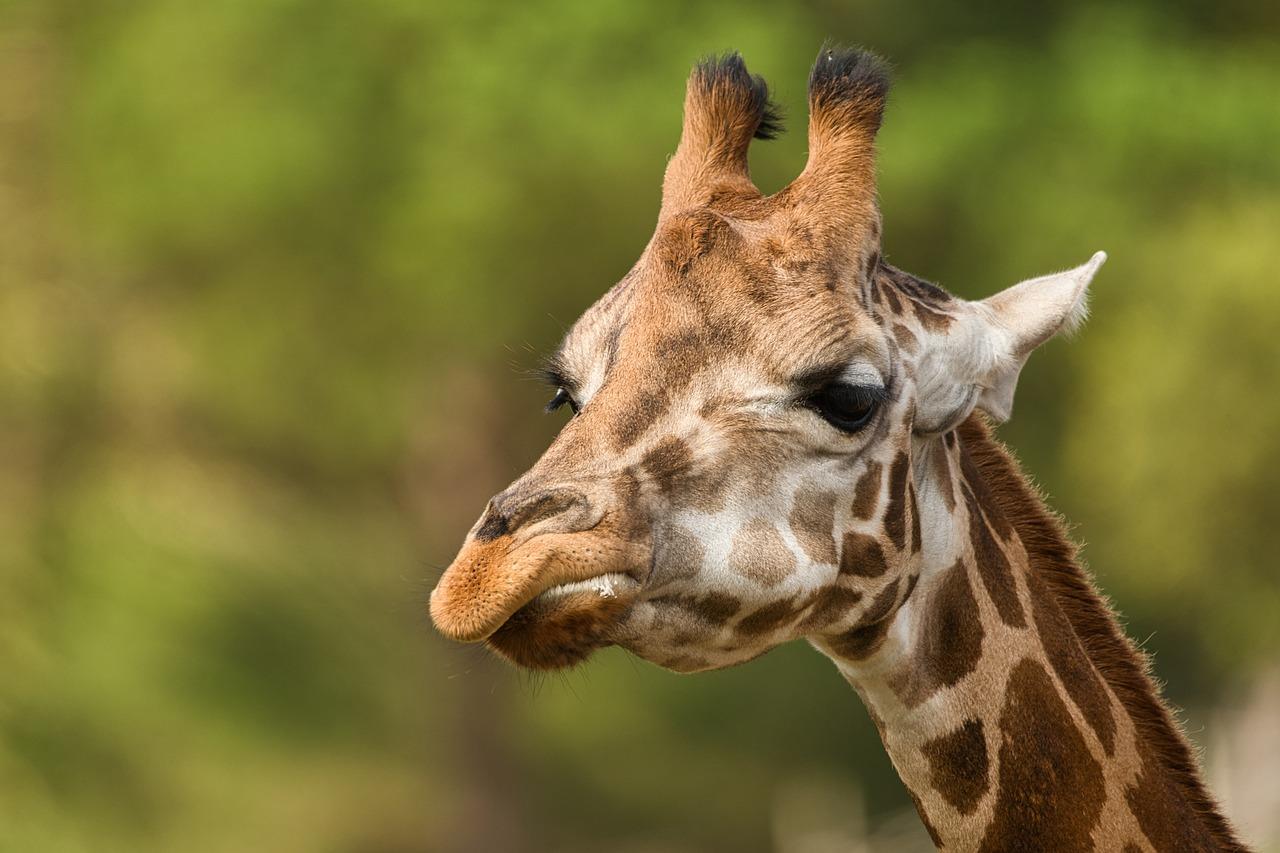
{"x":1124,"y":667}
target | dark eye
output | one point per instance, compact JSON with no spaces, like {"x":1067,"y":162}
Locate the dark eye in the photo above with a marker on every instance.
{"x":846,"y":407}
{"x":562,"y":398}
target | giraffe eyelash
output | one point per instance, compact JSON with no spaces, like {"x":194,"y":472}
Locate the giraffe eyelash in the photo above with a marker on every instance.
{"x":551,"y":374}
{"x":562,"y":398}
{"x":847,"y":406}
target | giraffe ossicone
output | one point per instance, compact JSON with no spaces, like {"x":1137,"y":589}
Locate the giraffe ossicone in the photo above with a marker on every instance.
{"x":777,"y":435}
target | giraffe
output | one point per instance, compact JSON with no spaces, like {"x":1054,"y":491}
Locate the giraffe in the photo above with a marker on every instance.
{"x":778,"y":435}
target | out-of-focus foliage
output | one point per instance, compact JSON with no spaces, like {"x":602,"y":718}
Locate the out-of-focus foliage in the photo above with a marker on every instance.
{"x":269,"y":274}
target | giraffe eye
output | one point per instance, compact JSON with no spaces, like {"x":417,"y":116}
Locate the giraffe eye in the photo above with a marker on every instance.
{"x":562,"y":398}
{"x":845,"y":406}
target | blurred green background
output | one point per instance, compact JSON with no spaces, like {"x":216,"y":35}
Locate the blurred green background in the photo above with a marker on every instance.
{"x":271,"y":275}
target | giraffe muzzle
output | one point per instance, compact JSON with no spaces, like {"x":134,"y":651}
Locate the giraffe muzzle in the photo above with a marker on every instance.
{"x":527,"y":543}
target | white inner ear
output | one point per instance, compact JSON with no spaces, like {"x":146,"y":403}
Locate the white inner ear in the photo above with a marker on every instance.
{"x":975,"y":363}
{"x":947,"y":373}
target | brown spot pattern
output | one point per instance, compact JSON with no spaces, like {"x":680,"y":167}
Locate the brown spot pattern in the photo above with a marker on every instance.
{"x":905,"y":338}
{"x":994,"y":568}
{"x":684,"y":353}
{"x":932,"y":320}
{"x":813,"y":521}
{"x":667,"y":463}
{"x":644,"y":411}
{"x":867,"y":492}
{"x":834,"y":604}
{"x":1068,"y":659}
{"x":959,"y":767}
{"x":677,"y":554}
{"x":1162,"y":813}
{"x":951,"y":640}
{"x":769,"y":618}
{"x":1051,"y":788}
{"x":1053,"y":558}
{"x":942,"y":474}
{"x":895,"y":304}
{"x":712,"y":609}
{"x":895,"y":517}
{"x":760,"y":554}
{"x":862,"y":556}
{"x":860,"y":642}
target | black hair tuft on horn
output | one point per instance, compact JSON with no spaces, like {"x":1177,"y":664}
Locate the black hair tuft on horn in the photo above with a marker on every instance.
{"x":729,"y":71}
{"x":851,"y":82}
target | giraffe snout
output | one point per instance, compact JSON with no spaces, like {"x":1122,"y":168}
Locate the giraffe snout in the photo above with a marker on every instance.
{"x":530,"y":539}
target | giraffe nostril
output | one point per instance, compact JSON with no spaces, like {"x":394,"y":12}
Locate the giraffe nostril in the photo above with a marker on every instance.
{"x":495,"y":525}
{"x":511,"y":511}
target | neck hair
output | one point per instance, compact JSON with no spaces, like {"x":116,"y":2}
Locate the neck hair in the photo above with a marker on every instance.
{"x":1125,"y":668}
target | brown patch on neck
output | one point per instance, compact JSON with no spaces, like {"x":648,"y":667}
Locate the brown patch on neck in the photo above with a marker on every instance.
{"x":860,"y":642}
{"x":1051,"y":789}
{"x":993,"y":564}
{"x":1073,"y":666}
{"x":1124,"y":668}
{"x":1159,"y":808}
{"x":773,"y":616}
{"x":862,"y":556}
{"x":951,"y":640}
{"x":832,"y":606}
{"x":959,"y":766}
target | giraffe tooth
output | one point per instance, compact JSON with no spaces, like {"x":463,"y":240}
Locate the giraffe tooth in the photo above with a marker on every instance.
{"x":606,"y":586}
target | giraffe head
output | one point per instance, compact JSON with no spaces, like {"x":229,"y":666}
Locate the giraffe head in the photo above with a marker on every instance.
{"x":749,"y":404}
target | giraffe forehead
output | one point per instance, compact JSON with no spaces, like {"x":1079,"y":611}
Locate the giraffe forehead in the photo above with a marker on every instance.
{"x":650,"y":328}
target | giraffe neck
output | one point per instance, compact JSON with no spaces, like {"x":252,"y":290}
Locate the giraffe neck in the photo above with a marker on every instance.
{"x":1015,"y":711}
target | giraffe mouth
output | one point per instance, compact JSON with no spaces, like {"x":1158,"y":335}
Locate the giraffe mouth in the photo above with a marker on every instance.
{"x":563,"y":625}
{"x":608,"y":585}
{"x":491,"y":580}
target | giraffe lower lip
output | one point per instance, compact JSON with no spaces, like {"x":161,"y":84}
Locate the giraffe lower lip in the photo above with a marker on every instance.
{"x":563,"y":625}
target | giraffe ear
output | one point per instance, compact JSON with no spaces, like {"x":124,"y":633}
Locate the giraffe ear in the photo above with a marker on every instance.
{"x":976,"y":362}
{"x":1024,"y":317}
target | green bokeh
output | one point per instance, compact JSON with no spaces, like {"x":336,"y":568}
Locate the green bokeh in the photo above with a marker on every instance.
{"x":271,"y":275}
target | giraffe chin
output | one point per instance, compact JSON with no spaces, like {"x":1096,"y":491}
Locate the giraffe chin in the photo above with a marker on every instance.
{"x":564,"y":625}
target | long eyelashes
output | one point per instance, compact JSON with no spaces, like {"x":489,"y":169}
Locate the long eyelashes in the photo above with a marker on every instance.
{"x":562,"y":398}
{"x":846,"y":406}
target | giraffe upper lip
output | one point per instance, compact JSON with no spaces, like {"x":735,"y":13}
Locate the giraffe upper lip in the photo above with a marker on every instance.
{"x":491,"y":580}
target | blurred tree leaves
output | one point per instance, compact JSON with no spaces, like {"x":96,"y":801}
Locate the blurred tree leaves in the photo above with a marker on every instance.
{"x":269,"y":275}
